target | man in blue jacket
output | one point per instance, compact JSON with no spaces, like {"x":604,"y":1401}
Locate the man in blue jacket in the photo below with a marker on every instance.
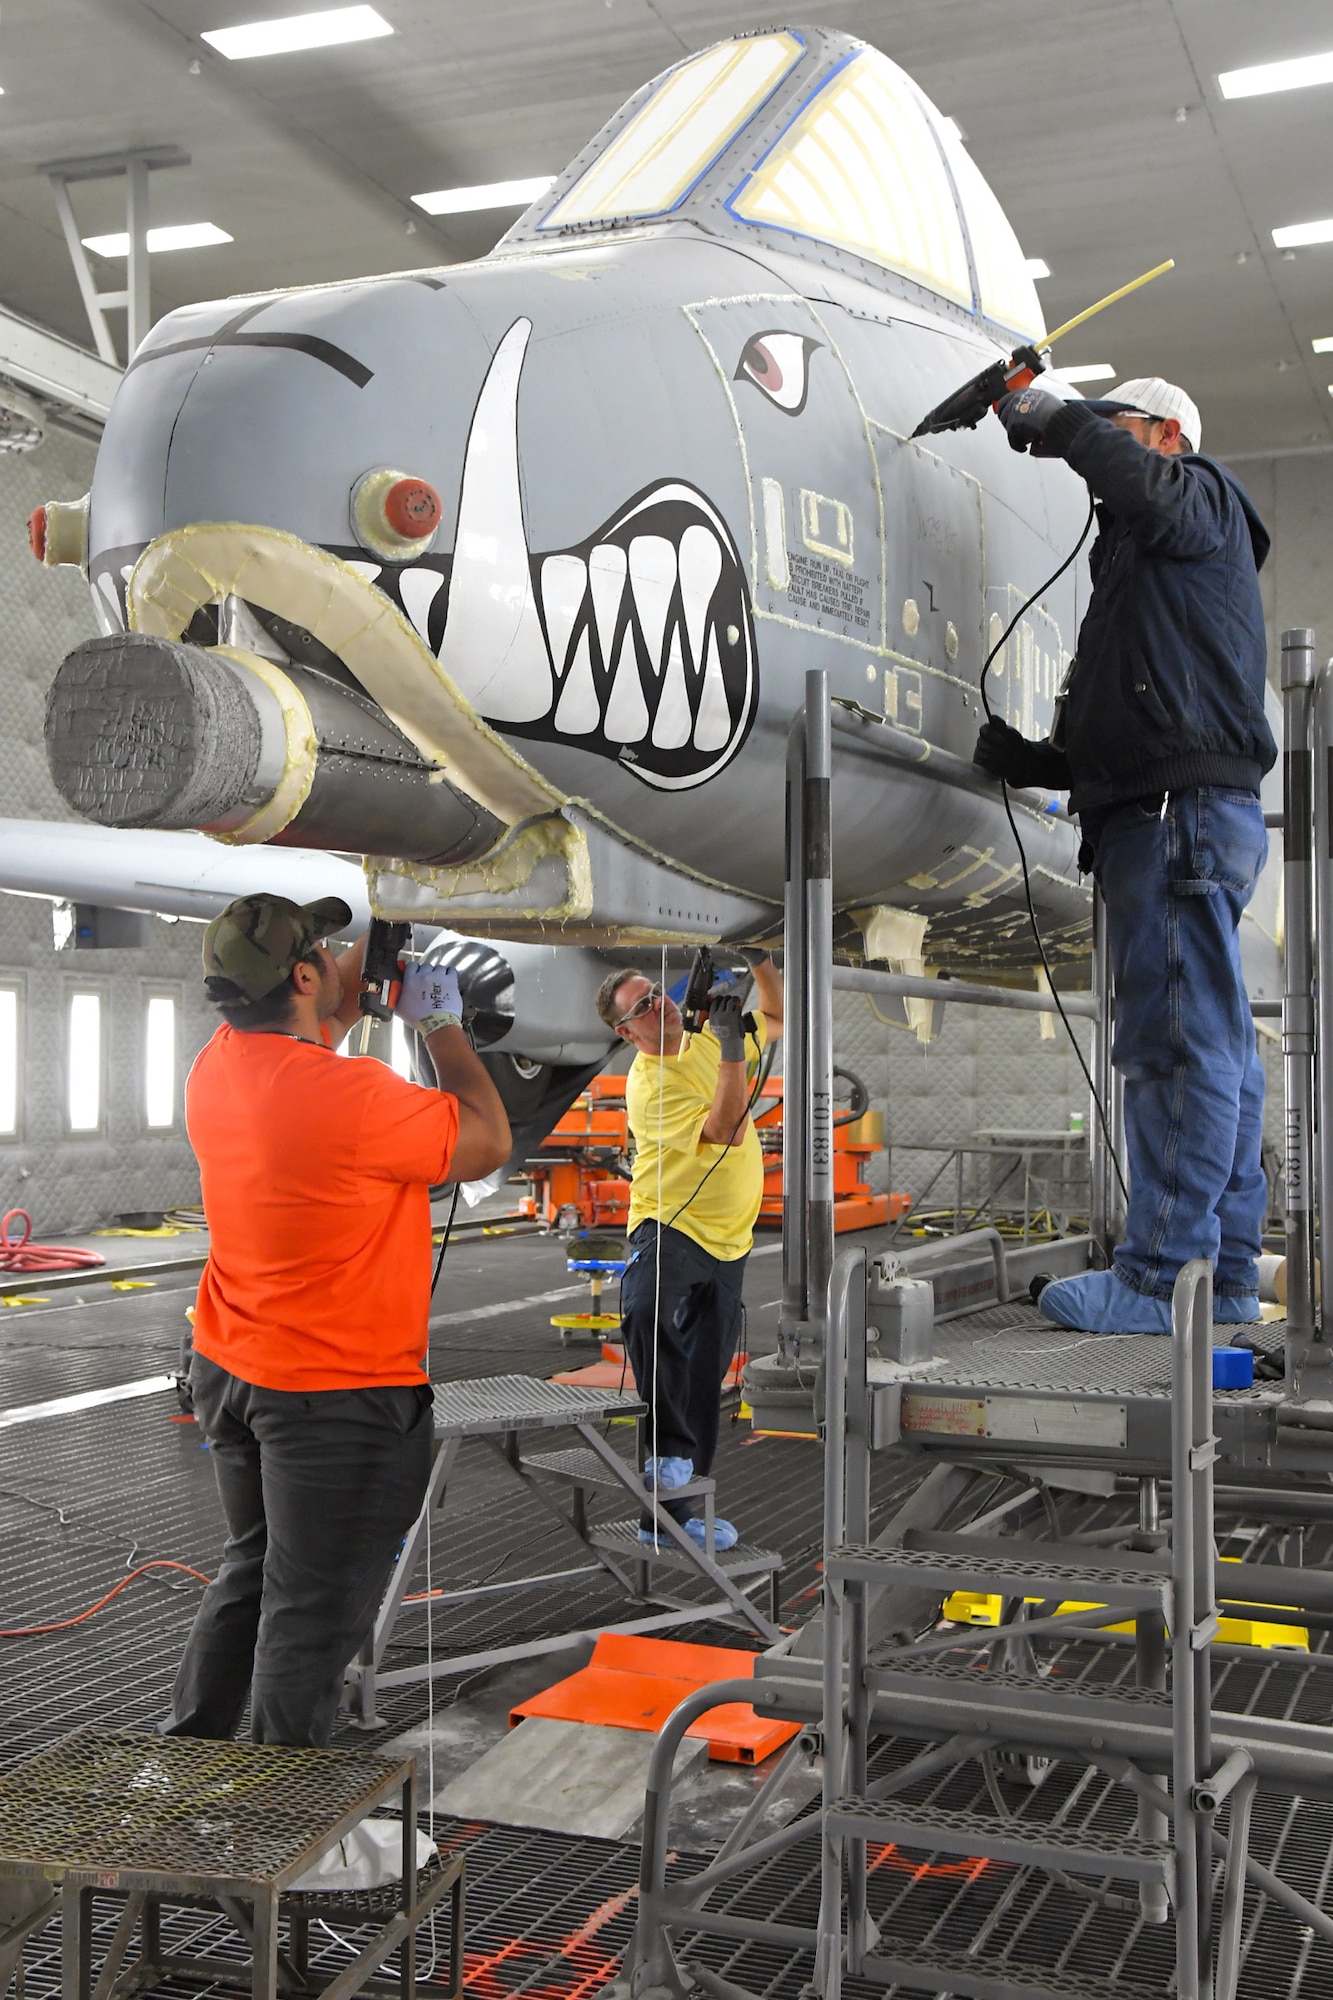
{"x":1162,"y":742}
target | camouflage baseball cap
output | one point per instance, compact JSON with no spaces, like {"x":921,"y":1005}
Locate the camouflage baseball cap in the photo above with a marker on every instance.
{"x":257,"y":940}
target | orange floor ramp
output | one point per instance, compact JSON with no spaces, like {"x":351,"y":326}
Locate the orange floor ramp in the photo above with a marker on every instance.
{"x":633,"y":1683}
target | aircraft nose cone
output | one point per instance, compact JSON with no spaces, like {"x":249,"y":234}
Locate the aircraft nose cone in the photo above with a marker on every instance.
{"x":275,"y":413}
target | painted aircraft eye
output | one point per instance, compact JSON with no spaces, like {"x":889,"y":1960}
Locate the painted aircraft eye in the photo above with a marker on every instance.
{"x":779,"y":364}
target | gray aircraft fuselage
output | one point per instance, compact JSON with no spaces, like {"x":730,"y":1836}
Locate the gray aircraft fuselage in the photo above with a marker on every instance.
{"x":675,"y":472}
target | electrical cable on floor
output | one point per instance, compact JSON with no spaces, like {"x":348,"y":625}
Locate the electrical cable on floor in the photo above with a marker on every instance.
{"x":64,"y":1624}
{"x":1027,"y":604}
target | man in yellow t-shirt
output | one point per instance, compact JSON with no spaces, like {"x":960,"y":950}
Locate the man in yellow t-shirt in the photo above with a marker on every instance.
{"x":698,"y":1179}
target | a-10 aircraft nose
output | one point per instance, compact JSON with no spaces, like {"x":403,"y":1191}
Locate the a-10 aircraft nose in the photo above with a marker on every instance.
{"x":273,"y":411}
{"x":544,"y":477}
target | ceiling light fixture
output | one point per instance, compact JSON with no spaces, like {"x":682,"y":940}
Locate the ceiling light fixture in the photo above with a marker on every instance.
{"x":175,"y":236}
{"x":1036,"y":267}
{"x":1297,"y":74}
{"x":1295,"y":235}
{"x":1091,"y":371}
{"x":1323,"y":345}
{"x":492,"y":194}
{"x":326,"y":30}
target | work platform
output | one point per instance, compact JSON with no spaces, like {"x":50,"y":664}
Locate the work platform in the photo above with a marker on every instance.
{"x":1004,"y":1383}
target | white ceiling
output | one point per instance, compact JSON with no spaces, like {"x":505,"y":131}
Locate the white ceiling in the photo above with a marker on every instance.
{"x":1071,"y":108}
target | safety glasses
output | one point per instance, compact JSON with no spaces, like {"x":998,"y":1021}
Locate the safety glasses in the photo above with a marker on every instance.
{"x":642,"y":1006}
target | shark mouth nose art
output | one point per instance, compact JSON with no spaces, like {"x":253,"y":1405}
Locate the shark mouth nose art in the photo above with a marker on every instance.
{"x":636,"y":644}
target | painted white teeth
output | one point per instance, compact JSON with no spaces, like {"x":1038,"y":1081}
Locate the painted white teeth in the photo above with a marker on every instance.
{"x":582,"y":603}
{"x":419,"y":589}
{"x":578,"y":711}
{"x":700,"y":568}
{"x":554,"y":649}
{"x":712,"y":725}
{"x":606,"y":572}
{"x":626,"y":711}
{"x":671,"y":724}
{"x":564,"y":584}
{"x":652,"y":581}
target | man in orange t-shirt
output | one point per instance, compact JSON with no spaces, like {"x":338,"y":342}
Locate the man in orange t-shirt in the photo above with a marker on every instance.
{"x":310,"y":1332}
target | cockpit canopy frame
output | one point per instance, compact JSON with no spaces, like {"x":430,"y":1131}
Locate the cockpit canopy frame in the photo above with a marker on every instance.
{"x":824,"y":146}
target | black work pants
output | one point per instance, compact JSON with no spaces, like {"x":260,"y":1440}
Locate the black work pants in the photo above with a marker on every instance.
{"x":318,"y":1491}
{"x":695,"y":1308}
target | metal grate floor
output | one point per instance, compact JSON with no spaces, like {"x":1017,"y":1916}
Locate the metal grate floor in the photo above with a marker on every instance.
{"x":1013,"y":1347}
{"x":88,"y":1495}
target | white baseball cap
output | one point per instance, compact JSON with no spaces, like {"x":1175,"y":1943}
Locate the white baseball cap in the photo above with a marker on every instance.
{"x":1150,"y":396}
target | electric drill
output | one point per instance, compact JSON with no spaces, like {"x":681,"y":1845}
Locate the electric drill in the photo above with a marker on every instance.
{"x":694,"y":1005}
{"x":966,"y":407}
{"x":382,"y":967}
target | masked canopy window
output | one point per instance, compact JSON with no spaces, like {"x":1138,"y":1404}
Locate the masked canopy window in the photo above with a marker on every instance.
{"x":860,"y":167}
{"x":678,"y":133}
{"x":1007,"y":292}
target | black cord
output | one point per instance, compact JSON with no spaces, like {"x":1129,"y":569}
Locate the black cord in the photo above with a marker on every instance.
{"x":453,"y":1206}
{"x":765,"y":1070}
{"x":1040,"y":591}
{"x":444,"y":1240}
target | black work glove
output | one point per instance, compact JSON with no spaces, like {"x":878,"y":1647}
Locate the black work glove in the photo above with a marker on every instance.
{"x":724,"y":1018}
{"x":1003,"y":752}
{"x":1025,"y":414}
{"x":755,"y":954}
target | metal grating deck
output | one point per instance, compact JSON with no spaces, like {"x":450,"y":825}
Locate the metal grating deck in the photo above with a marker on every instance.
{"x":113,"y":1799}
{"x":524,"y":1402}
{"x":86,"y":1495}
{"x":1012,"y":1347}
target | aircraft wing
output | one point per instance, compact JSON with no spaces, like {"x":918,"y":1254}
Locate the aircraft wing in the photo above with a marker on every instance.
{"x":166,"y":874}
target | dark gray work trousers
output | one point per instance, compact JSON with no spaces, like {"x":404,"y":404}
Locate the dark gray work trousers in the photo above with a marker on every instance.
{"x":318,"y":1491}
{"x":680,"y":1325}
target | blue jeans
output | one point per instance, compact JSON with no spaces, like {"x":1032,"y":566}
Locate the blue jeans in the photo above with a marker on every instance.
{"x":1174,"y":885}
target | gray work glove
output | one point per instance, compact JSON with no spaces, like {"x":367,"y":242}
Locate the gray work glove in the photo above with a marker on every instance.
{"x":724,"y":1018}
{"x":755,"y":954}
{"x":1025,"y":414}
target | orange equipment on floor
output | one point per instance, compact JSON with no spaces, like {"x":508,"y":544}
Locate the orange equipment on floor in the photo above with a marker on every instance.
{"x":578,"y":1177}
{"x":634,"y":1683}
{"x":854,"y":1205}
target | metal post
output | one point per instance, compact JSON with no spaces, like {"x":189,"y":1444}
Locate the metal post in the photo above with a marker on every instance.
{"x":78,"y":256}
{"x":1298,"y":1003}
{"x":818,"y":830}
{"x":1150,"y":1672}
{"x":1322,"y":789}
{"x":138,"y":310}
{"x":795,"y":1118}
{"x":828,"y":1961}
{"x":1193,"y":1616}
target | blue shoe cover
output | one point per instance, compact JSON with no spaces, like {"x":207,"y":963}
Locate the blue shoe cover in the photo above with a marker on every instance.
{"x":667,"y":1475}
{"x":1101,"y":1302}
{"x":724,"y":1535}
{"x":1242,"y":1311}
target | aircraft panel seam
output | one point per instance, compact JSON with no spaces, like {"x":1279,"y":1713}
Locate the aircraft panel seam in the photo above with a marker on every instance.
{"x":689,"y":312}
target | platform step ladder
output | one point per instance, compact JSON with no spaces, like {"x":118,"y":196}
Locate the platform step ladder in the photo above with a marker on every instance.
{"x":951,"y":1568}
{"x":1022,"y":1843}
{"x":620,"y":1539}
{"x":581,"y":1472}
{"x":971,"y":1976}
